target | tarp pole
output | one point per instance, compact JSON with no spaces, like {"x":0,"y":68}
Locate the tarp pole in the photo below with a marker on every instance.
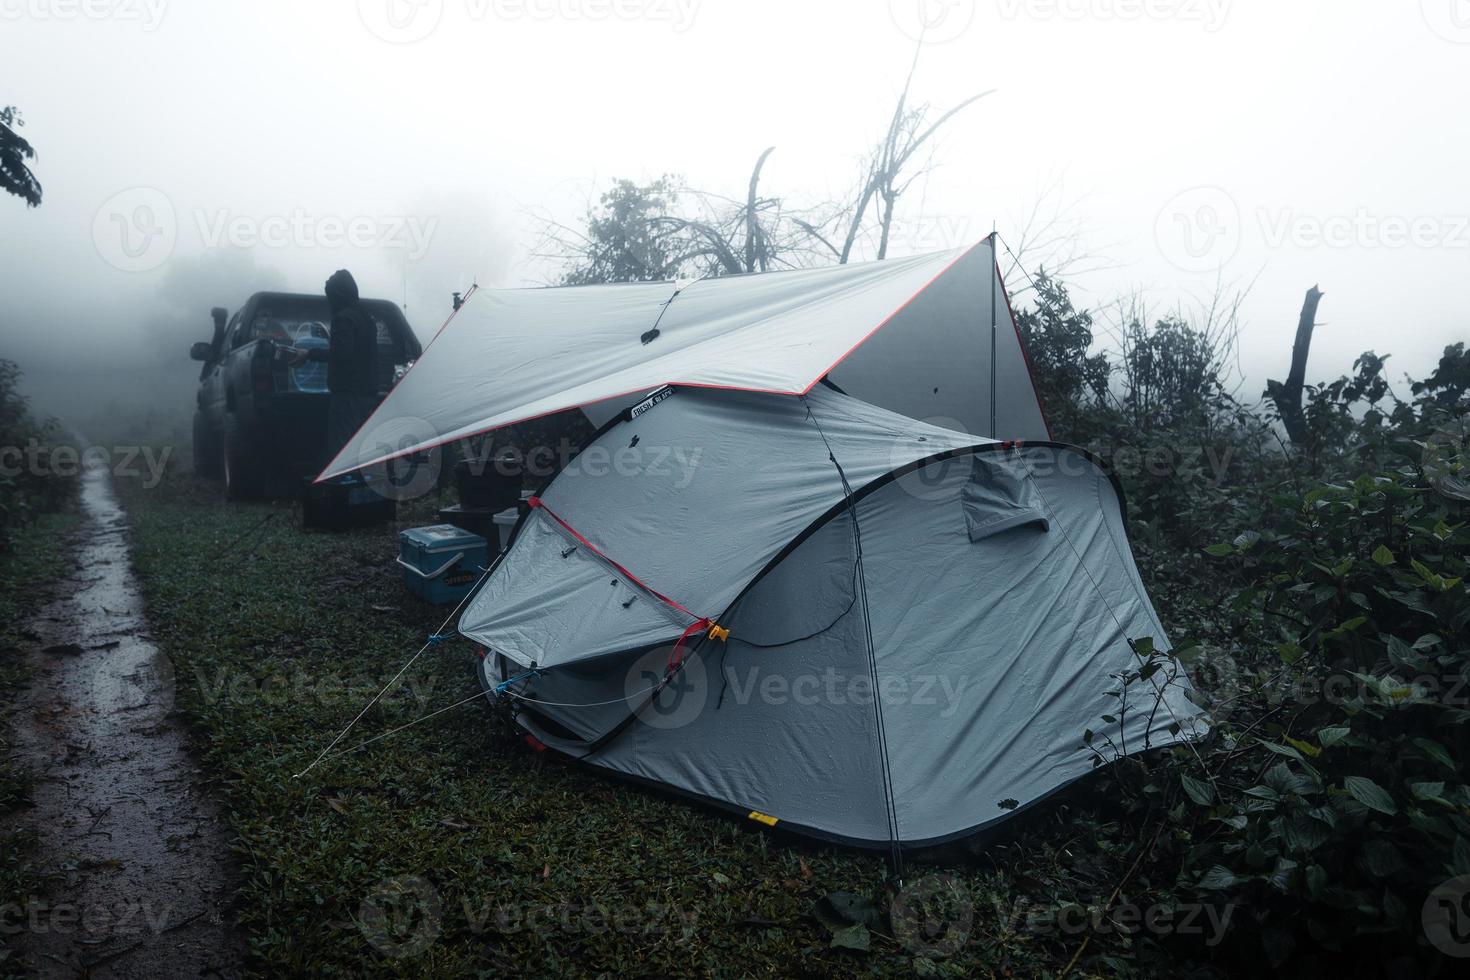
{"x":994,"y":275}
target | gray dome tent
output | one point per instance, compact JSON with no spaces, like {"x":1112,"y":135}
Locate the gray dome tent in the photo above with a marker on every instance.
{"x":708,"y":596}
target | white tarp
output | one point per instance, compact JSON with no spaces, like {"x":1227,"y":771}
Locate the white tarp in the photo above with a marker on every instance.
{"x":514,"y":354}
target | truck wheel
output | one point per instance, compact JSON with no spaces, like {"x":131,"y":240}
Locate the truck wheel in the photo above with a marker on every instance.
{"x":206,"y":449}
{"x":243,"y":476}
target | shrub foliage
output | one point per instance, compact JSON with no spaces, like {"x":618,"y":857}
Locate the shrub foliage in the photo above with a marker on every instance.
{"x":1317,"y":597}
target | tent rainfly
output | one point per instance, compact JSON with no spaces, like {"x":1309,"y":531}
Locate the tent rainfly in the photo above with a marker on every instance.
{"x":766,"y":583}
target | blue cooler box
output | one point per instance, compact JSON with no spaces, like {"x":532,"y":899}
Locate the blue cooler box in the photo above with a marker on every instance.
{"x":441,"y":563}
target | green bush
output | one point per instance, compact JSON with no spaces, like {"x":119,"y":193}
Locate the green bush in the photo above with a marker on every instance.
{"x":1334,"y":790}
{"x":29,"y":486}
{"x":1319,"y":596}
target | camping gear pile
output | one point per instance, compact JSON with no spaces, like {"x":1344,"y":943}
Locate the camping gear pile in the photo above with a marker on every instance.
{"x":821,"y":564}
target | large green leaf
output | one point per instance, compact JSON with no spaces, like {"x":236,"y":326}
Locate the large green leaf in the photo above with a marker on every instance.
{"x":1219,"y":878}
{"x":1197,"y":790}
{"x":1435,"y":751}
{"x":855,"y":936}
{"x":1370,"y":794}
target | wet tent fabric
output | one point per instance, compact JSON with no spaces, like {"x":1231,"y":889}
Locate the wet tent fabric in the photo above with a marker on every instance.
{"x":694,"y":497}
{"x":931,"y":359}
{"x":912,"y":335}
{"x":991,"y":653}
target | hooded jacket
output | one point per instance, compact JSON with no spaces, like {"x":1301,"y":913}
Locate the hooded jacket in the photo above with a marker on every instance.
{"x":352,"y":358}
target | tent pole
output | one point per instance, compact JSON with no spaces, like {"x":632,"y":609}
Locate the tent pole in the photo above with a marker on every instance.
{"x":860,"y":581}
{"x":994,"y":275}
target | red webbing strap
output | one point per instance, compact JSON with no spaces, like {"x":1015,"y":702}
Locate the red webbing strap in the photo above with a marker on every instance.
{"x":700,"y":624}
{"x":675,"y":655}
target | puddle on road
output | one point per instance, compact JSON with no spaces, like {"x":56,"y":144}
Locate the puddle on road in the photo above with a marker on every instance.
{"x":135,"y":853}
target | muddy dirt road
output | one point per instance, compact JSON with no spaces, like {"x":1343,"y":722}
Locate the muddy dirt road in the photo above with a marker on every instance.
{"x":139,"y":876}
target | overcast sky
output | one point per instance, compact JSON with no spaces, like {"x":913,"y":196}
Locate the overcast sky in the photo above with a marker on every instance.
{"x":193,"y":150}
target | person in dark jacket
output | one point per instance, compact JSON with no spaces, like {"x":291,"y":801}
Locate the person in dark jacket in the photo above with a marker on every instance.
{"x":352,"y":362}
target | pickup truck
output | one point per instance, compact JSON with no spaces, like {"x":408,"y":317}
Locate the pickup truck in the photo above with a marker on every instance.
{"x":260,"y":424}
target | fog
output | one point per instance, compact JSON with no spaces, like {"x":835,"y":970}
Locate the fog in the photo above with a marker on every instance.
{"x":193,"y":152}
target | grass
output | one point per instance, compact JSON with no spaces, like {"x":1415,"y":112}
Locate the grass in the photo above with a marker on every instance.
{"x":29,"y":572}
{"x":458,"y":849}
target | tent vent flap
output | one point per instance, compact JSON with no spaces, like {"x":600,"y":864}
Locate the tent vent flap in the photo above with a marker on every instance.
{"x":999,"y":497}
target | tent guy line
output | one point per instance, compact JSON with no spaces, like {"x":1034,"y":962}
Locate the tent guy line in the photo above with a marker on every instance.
{"x":652,"y":333}
{"x":434,"y":639}
{"x":478,"y":695}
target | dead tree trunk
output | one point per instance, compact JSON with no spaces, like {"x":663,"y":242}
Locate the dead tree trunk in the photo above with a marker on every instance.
{"x":1288,"y":396}
{"x":752,"y":224}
